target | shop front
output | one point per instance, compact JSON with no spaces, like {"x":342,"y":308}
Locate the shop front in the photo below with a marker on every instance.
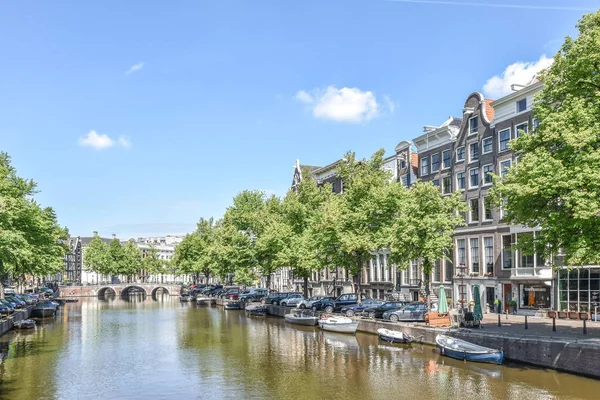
{"x":579,"y":290}
{"x":535,"y":295}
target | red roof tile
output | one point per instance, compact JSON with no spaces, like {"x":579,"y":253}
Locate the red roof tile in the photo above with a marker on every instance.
{"x":489,"y":110}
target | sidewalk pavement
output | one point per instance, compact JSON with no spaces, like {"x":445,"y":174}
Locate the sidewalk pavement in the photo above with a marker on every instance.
{"x":540,"y":328}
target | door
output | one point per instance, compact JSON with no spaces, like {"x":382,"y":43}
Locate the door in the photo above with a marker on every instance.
{"x":490,"y":296}
{"x":507,"y":296}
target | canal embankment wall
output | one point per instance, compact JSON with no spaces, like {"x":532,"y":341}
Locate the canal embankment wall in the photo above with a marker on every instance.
{"x":6,"y":324}
{"x":569,"y":355}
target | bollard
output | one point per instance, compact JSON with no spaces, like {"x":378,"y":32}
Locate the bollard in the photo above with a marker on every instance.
{"x":554,"y":324}
{"x":499,"y":323}
{"x":584,"y":327}
{"x":526,"y":325}
{"x":506,"y":312}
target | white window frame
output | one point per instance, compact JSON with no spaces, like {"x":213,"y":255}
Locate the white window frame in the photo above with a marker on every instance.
{"x":445,"y":193}
{"x":509,"y":160}
{"x":526,"y":124}
{"x":421,"y":167}
{"x":485,"y":255}
{"x":471,"y":256}
{"x":483,"y":209}
{"x":457,"y":260}
{"x":442,"y":161}
{"x":431,"y":163}
{"x":473,"y":186}
{"x":469,"y":126}
{"x":471,"y":159}
{"x":491,"y":139}
{"x":457,"y":185}
{"x":484,"y":174}
{"x":512,"y":253}
{"x":500,"y":141}
{"x":517,"y":105}
{"x":471,"y":221}
{"x":464,"y":153}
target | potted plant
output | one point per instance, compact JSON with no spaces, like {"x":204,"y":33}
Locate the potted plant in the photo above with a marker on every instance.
{"x":513,"y":307}
{"x":498,"y":306}
{"x":471,"y":304}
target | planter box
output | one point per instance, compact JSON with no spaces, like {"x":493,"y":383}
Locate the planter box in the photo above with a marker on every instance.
{"x":583,"y":315}
{"x":573,"y":315}
{"x":551,"y":314}
{"x":563,"y":314}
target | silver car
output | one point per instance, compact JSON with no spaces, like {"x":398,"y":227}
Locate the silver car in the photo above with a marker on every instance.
{"x":292,"y":300}
{"x":410,"y":312}
{"x":307,"y":303}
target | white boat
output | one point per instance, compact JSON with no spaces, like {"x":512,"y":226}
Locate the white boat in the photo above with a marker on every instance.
{"x":338,"y":324}
{"x":388,"y":335}
{"x":301,"y":319}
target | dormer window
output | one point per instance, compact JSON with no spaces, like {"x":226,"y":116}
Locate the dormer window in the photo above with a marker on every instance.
{"x":402,"y":164}
{"x":473,"y":125}
{"x":522,"y":105}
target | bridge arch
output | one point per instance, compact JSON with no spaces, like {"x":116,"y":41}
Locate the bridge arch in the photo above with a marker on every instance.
{"x":154,"y":290}
{"x":127,"y":289}
{"x":103,"y":291}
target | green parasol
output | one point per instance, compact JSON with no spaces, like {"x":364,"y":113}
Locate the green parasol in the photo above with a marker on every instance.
{"x":477,"y":313}
{"x":442,"y":302}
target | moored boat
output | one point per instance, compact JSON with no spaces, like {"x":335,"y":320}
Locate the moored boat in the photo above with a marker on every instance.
{"x":390,"y":336}
{"x":44,"y":309}
{"x":185,"y":297}
{"x":232,"y":305}
{"x":301,"y":319}
{"x":256,"y":309}
{"x":463,"y":350}
{"x":338,"y":324}
{"x":24,"y":324}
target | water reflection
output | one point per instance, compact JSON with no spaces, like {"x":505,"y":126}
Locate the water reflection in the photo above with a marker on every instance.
{"x":139,"y":347}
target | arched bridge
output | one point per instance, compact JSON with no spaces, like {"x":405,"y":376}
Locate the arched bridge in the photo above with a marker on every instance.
{"x":149,"y":289}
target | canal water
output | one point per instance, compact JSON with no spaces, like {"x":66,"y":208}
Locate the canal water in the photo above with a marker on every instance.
{"x":148,"y":349}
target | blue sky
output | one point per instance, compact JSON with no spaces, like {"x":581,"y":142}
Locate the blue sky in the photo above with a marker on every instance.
{"x":139,"y":117}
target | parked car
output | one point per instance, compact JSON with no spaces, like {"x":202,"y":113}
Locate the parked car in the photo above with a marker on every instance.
{"x":411,"y":312}
{"x":276,"y":299}
{"x":8,"y":306}
{"x":336,"y":305}
{"x":9,"y":290}
{"x":307,"y":303}
{"x":354,"y":309}
{"x":377,"y":311}
{"x":5,"y":311}
{"x":13,"y":299}
{"x":231,"y":294}
{"x":253,"y":294}
{"x":291,"y":300}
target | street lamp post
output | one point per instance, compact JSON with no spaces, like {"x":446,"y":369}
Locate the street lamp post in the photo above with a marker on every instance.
{"x":461,"y":275}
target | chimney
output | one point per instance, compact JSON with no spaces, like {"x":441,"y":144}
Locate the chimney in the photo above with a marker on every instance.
{"x":114,"y":236}
{"x":95,"y":233}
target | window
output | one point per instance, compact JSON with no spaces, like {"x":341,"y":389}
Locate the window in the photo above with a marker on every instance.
{"x":474,"y":210}
{"x":503,"y":212}
{"x":473,"y":125}
{"x":504,"y":137}
{"x":462,"y":293}
{"x":446,"y":159}
{"x":488,"y":254}
{"x":333,"y":187}
{"x":522,"y":105}
{"x":437,"y":272}
{"x":461,"y":252}
{"x":449,"y":268}
{"x":436,"y":182}
{"x":521,"y":128}
{"x":488,"y":170}
{"x":402,"y":164}
{"x":460,"y":154}
{"x":460,"y":180}
{"x":525,"y":259}
{"x":504,"y":166}
{"x":474,"y":151}
{"x":424,"y":166}
{"x":435,"y":162}
{"x":486,"y":145}
{"x":507,"y":255}
{"x":446,"y":185}
{"x":474,"y":254}
{"x":487,"y":209}
{"x":536,"y":124}
{"x":473,"y":178}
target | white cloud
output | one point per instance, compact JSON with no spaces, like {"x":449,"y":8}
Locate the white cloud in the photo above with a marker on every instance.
{"x":102,"y":141}
{"x":391,"y":105}
{"x":134,"y":68}
{"x":519,"y":73}
{"x":342,"y":105}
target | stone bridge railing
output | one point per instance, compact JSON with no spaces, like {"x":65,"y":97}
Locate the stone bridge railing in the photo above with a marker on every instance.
{"x":149,"y":289}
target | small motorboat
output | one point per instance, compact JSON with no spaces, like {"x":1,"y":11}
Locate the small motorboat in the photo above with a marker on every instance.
{"x":44,"y":309}
{"x":299,"y":318}
{"x":463,"y":350}
{"x":256,"y":309}
{"x":185,"y":297}
{"x":24,"y":324}
{"x":390,"y":336}
{"x":232,"y":305}
{"x":338,"y":324}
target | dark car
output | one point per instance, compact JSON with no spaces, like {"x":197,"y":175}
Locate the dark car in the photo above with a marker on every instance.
{"x":277,"y":298}
{"x":8,"y":302}
{"x":411,"y":312}
{"x":5,"y":311}
{"x":352,"y":310}
{"x":231,"y":294}
{"x":254,"y":294}
{"x":336,"y":305}
{"x":16,"y":301}
{"x":378,"y":310}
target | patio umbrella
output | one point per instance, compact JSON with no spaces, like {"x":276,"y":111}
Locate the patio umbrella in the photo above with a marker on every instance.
{"x":442,"y":302}
{"x":477,"y":313}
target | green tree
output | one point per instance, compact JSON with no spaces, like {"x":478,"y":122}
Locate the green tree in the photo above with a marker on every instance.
{"x":115,"y":252}
{"x":96,"y":256}
{"x":555,"y":186}
{"x":31,"y":241}
{"x":423,"y":226}
{"x":192,"y":255}
{"x":131,"y":260}
{"x":152,"y":263}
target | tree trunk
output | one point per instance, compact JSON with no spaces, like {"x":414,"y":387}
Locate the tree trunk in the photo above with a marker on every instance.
{"x":427,"y":274}
{"x":269,"y":283}
{"x":356,"y":281}
{"x":305,"y":291}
